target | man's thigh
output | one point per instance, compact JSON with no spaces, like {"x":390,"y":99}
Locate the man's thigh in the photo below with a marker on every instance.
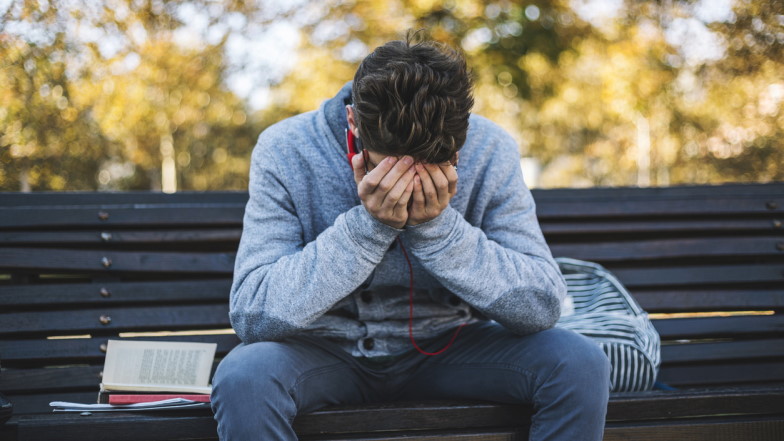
{"x":309,"y":371}
{"x":488,"y":362}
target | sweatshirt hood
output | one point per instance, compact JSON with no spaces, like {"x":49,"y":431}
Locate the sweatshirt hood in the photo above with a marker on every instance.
{"x":335,"y":113}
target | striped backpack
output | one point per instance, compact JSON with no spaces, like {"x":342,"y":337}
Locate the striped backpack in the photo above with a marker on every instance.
{"x":599,"y":307}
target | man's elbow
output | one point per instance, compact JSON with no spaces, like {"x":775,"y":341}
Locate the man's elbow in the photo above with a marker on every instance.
{"x":550,"y":316}
{"x":541,"y":312}
{"x":549,"y":311}
{"x":255,"y":327}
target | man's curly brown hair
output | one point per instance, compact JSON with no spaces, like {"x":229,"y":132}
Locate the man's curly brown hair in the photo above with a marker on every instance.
{"x":413,"y":99}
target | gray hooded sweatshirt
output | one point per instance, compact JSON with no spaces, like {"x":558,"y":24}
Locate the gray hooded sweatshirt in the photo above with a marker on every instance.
{"x":312,"y":259}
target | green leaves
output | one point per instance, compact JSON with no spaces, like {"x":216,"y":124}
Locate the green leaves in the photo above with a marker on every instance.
{"x":126,"y":94}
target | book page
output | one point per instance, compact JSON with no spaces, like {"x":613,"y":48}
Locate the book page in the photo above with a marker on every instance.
{"x":158,"y":366}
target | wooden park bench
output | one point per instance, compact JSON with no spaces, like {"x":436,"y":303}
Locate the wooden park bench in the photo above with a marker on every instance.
{"x":77,"y":269}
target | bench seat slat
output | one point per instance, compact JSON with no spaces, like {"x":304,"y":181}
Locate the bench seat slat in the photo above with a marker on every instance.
{"x":630,"y":406}
{"x":434,"y":415}
{"x":715,"y":374}
{"x":725,"y":428}
{"x":195,"y":427}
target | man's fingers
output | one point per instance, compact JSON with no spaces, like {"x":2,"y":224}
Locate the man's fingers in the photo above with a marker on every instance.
{"x":450,"y":172}
{"x":418,"y":195}
{"x":440,"y":182}
{"x":370,"y":182}
{"x":358,"y":164}
{"x":429,"y":185}
{"x":402,"y":203}
{"x":429,"y":192}
{"x":393,"y":175}
{"x":393,"y":196}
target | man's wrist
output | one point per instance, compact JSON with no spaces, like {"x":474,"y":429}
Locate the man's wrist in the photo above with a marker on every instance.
{"x":369,"y":232}
{"x":434,"y":231}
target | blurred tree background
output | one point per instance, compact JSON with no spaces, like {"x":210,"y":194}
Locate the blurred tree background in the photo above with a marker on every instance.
{"x":170,"y":95}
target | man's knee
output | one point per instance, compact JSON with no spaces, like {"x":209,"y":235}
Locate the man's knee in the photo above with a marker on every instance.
{"x":578,"y":359}
{"x":250,"y":366}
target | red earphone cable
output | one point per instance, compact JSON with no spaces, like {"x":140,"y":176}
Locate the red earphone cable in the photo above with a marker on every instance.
{"x":411,"y":309}
{"x":351,"y":151}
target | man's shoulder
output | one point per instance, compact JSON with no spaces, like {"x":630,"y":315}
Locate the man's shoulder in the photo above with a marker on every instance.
{"x":293,"y":127}
{"x":488,"y":137}
{"x":481,"y":126}
{"x":284,"y":136}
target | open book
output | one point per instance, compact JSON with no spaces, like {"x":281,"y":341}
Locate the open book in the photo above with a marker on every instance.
{"x":153,"y":366}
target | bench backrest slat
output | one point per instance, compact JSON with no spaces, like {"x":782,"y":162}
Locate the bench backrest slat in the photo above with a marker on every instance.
{"x":110,"y":262}
{"x":110,"y":292}
{"x":40,"y":352}
{"x":99,"y":238}
{"x":717,"y":299}
{"x":558,"y":230}
{"x":700,"y":275}
{"x":724,"y":351}
{"x":720,"y":327}
{"x":736,"y":373}
{"x":701,"y":248}
{"x":93,"y":321}
{"x":123,"y":216}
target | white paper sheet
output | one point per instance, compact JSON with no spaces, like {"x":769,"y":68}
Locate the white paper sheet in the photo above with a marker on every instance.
{"x":171,"y":404}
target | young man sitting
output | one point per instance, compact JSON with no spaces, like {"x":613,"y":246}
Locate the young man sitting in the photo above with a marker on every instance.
{"x":351,"y":275}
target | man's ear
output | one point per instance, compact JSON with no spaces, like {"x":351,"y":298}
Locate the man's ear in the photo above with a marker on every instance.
{"x":352,"y":123}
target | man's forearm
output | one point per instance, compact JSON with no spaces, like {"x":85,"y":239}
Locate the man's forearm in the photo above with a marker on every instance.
{"x":519,"y":287}
{"x":278,"y":290}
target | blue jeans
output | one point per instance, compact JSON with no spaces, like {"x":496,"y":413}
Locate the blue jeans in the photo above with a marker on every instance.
{"x":259,"y":388}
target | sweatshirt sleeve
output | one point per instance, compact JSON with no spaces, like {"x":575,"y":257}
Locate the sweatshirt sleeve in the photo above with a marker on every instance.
{"x":503,"y":267}
{"x":282,"y":284}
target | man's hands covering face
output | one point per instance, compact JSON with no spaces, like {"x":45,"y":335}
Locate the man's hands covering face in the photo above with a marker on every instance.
{"x":398,"y":192}
{"x":386,"y":190}
{"x":434,"y":186}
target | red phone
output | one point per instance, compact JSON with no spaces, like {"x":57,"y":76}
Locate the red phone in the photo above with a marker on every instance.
{"x":353,"y":147}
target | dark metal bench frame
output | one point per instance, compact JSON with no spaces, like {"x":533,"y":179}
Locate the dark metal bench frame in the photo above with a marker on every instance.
{"x":102,"y":264}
